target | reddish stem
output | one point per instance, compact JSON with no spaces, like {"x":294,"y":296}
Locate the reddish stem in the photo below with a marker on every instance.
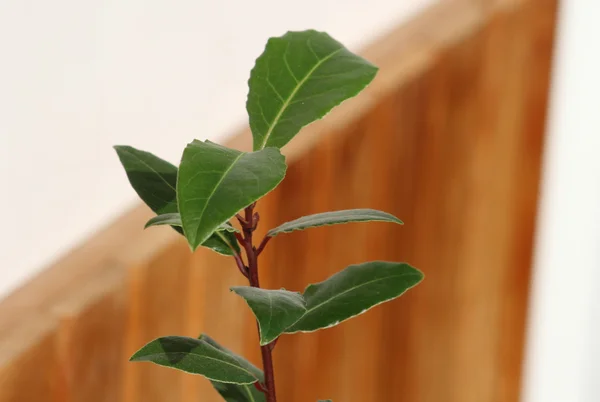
{"x":262,"y":245}
{"x":249,"y":223}
{"x":240,"y":264}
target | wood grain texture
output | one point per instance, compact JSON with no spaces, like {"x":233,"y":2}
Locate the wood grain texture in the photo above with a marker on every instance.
{"x":448,"y":138}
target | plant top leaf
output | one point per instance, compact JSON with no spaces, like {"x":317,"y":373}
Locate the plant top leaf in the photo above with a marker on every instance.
{"x":298,"y":79}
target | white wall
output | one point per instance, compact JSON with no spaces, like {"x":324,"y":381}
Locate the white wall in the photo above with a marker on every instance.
{"x":77,"y":77}
{"x":563,"y":354}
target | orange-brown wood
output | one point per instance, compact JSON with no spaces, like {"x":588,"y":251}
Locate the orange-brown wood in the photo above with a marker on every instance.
{"x":448,"y":138}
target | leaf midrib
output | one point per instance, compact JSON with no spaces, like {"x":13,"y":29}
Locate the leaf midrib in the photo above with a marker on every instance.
{"x":225,"y":240}
{"x":346,"y":291}
{"x":239,"y":367}
{"x":151,"y":168}
{"x":212,"y":193}
{"x":292,"y":226}
{"x":268,"y":326}
{"x":296,"y":89}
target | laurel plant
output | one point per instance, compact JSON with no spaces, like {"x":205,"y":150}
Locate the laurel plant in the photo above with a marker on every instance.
{"x":210,"y":200}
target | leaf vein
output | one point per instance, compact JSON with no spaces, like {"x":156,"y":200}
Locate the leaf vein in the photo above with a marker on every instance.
{"x":212,"y":193}
{"x":295,"y":90}
{"x":151,"y":168}
{"x":351,"y":289}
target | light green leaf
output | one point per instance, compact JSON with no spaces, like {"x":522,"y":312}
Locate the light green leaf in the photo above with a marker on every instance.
{"x":275,"y":310}
{"x":155,"y":180}
{"x":334,"y":218}
{"x":199,"y":356}
{"x":298,"y":79}
{"x":173,"y":219}
{"x":215,"y":182}
{"x":353,"y":291}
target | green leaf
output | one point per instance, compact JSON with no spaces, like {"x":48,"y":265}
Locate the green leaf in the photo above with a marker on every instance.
{"x":152,"y":178}
{"x":215,"y":182}
{"x":223,"y":242}
{"x":155,"y":180}
{"x":334,"y":218}
{"x":275,"y":310}
{"x":173,"y":219}
{"x":353,"y":291}
{"x":298,"y":79}
{"x":324,"y":400}
{"x":199,"y":356}
{"x":239,"y":392}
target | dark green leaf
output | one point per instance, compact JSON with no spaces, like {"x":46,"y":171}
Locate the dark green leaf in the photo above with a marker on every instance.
{"x":152,"y":178}
{"x":229,"y":228}
{"x":353,"y":291}
{"x":324,"y":400}
{"x":334,"y":218}
{"x":223,"y":242}
{"x":298,"y":79}
{"x":173,"y":219}
{"x":215,"y":182}
{"x":155,"y":180}
{"x":199,"y":356}
{"x":239,"y":392}
{"x":275,"y":310}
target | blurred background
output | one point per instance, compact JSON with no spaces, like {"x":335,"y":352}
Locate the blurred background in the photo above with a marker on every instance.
{"x":480,"y":132}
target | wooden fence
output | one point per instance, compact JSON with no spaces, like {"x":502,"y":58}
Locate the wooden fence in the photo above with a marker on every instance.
{"x":448,"y":138}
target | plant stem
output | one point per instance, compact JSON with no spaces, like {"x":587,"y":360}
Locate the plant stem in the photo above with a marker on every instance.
{"x":248,"y":226}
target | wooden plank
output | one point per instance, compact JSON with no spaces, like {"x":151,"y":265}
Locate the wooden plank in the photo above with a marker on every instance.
{"x":29,"y":363}
{"x":90,"y":339}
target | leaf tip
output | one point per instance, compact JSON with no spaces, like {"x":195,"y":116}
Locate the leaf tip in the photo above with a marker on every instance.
{"x":121,"y":148}
{"x":136,"y":356}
